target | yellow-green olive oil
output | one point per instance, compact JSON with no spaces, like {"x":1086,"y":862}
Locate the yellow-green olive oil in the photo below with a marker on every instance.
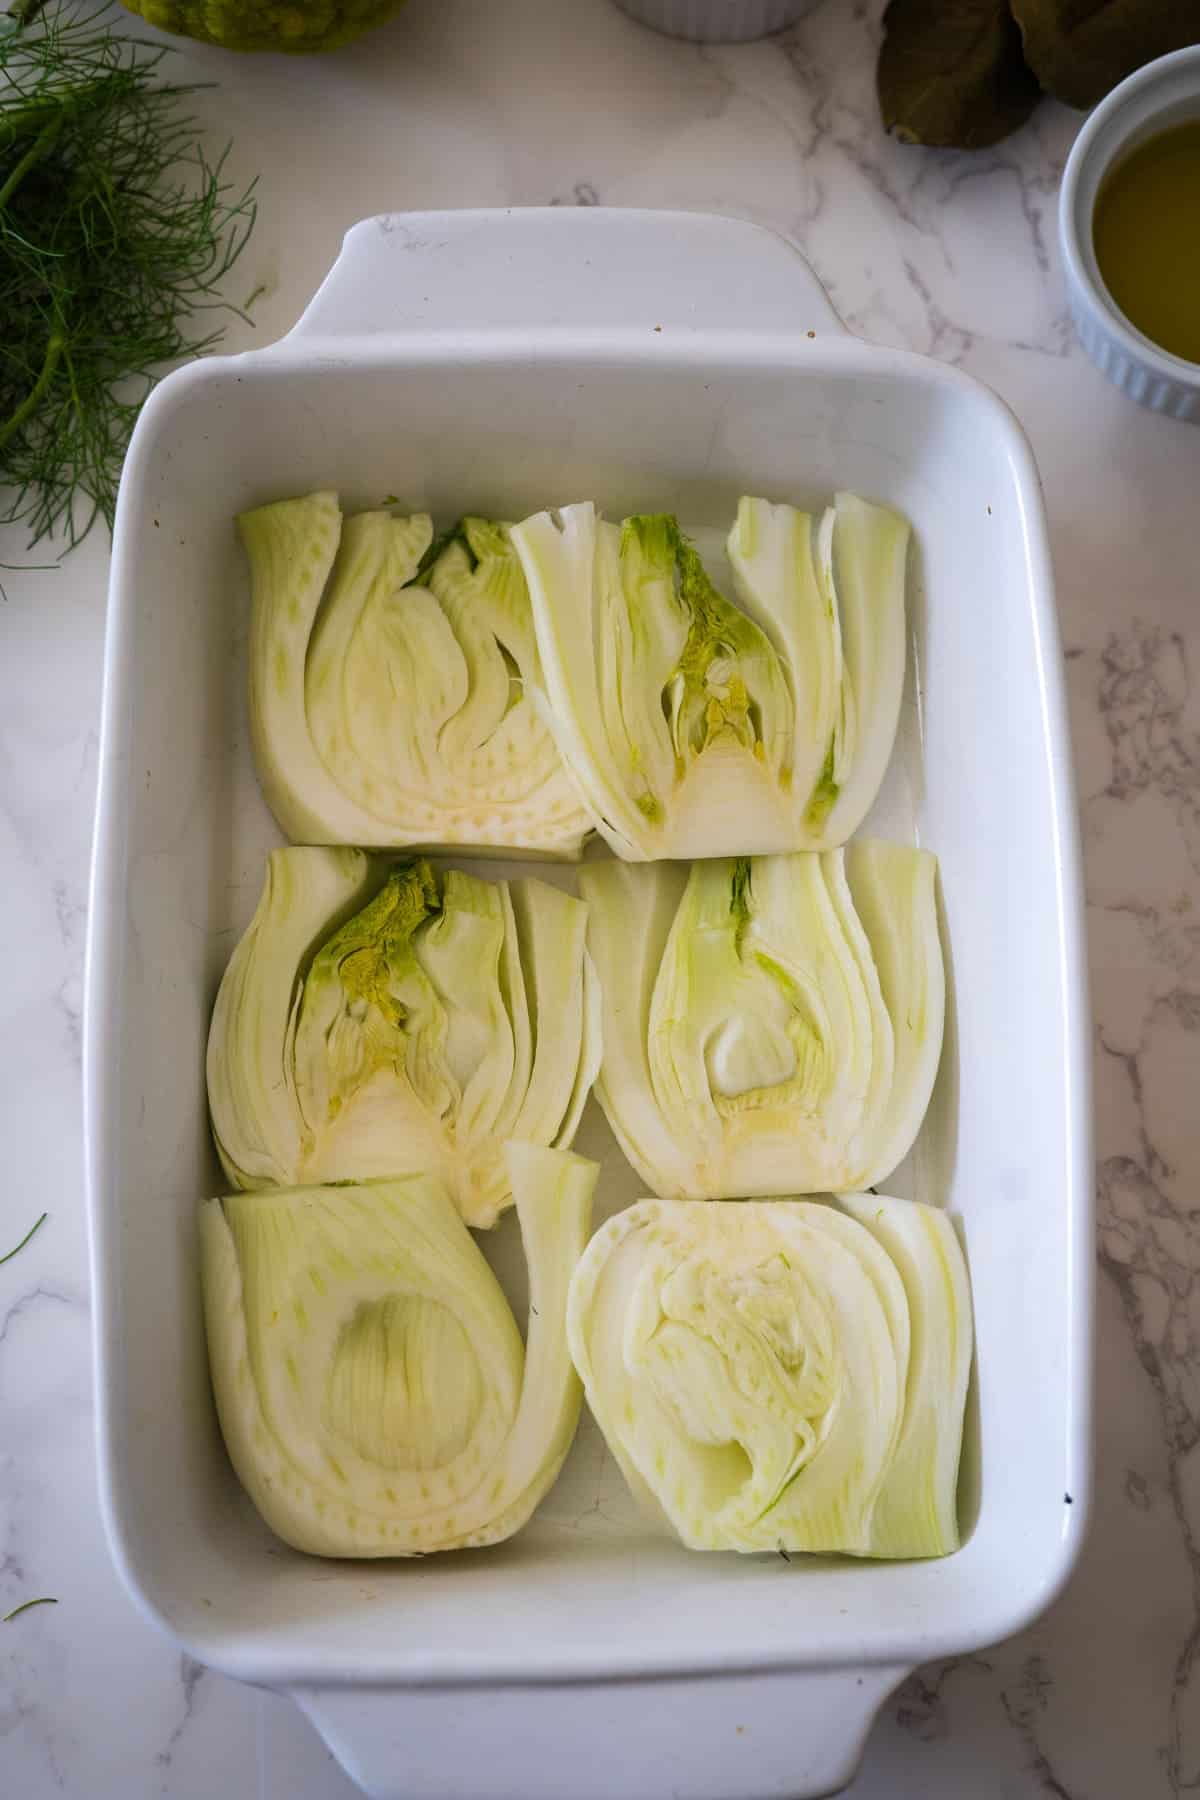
{"x":1146,"y":230}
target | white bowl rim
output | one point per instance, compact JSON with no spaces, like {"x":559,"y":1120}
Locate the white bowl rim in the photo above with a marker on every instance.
{"x":1079,"y":257}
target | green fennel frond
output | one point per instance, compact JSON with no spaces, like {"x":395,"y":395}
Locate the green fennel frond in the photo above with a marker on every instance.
{"x":116,"y":233}
{"x":36,"y":1226}
{"x":27,"y":1605}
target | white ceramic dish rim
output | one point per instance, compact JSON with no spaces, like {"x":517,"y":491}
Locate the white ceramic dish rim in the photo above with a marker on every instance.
{"x":1090,"y":159}
{"x":310,"y":346}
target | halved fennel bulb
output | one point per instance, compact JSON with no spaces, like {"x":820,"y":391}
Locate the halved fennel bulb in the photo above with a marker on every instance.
{"x":372,"y":1387}
{"x":385,"y":1019}
{"x":781,"y":1374}
{"x":391,"y":683}
{"x":772,"y":1024}
{"x":697,"y":728}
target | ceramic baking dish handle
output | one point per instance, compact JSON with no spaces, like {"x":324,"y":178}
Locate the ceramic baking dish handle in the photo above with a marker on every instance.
{"x":776,"y":1736}
{"x":537,"y":269}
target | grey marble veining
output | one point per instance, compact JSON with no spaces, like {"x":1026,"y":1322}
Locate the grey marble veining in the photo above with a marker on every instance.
{"x":566,"y":101}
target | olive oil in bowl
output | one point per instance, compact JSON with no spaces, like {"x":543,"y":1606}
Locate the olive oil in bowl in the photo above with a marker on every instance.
{"x":1146,"y":232}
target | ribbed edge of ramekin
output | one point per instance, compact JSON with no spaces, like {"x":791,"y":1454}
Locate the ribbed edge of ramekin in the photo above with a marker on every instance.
{"x":1145,"y":385}
{"x":715,"y":21}
{"x":1151,"y":98}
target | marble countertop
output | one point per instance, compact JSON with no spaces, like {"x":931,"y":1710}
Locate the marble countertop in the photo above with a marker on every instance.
{"x":566,"y":101}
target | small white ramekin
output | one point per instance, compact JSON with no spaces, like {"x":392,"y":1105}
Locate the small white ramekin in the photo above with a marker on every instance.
{"x":716,"y":21}
{"x":1163,"y":94}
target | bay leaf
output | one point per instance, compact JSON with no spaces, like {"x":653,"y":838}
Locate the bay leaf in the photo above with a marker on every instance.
{"x":1080,"y":49}
{"x":952,"y":73}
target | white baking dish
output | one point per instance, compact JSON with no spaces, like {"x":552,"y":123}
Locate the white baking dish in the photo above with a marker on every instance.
{"x":506,"y":361}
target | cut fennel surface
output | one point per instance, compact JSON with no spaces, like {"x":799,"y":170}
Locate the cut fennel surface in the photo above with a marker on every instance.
{"x":391,"y":684}
{"x":372,"y":1386}
{"x":781,"y":1375}
{"x":385,"y":1019}
{"x":772,"y":1025}
{"x":695,"y":727}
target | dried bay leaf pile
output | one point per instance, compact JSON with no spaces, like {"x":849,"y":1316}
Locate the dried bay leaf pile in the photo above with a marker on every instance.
{"x":964,"y":73}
